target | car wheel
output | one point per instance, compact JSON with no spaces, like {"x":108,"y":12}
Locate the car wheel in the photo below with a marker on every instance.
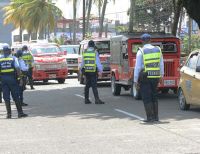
{"x":135,"y":92}
{"x":61,"y":81}
{"x":116,"y":88}
{"x":182,"y":101}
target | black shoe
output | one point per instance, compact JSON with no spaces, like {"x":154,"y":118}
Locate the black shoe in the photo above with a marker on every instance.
{"x":32,"y":88}
{"x":22,"y":115}
{"x":99,"y":102}
{"x":148,"y":120}
{"x":8,"y":116}
{"x":24,"y":104}
{"x":88,"y":102}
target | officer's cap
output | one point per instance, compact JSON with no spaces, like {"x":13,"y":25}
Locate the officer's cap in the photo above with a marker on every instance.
{"x":6,"y":48}
{"x":91,"y":43}
{"x":145,"y":37}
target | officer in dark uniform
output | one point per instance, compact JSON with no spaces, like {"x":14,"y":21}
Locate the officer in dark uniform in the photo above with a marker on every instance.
{"x":9,"y":68}
{"x":28,"y":58}
{"x":150,"y":66}
{"x":91,"y":66}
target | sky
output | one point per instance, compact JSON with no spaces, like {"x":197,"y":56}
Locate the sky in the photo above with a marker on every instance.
{"x":115,"y":11}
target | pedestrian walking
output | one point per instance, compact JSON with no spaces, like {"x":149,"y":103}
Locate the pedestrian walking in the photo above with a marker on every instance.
{"x":28,"y":58}
{"x":91,"y":68}
{"x":150,"y":67}
{"x":23,"y":76}
{"x":9,"y":68}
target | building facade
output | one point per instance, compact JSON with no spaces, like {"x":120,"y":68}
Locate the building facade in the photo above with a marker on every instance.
{"x":5,"y":30}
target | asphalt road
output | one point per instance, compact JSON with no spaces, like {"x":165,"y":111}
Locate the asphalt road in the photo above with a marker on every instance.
{"x":60,"y":123}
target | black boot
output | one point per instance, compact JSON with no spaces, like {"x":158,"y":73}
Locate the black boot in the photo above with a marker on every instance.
{"x":87,"y":101}
{"x":149,"y":112}
{"x":155,"y":110}
{"x":21,"y":114}
{"x":8,"y":108}
{"x":98,"y":101}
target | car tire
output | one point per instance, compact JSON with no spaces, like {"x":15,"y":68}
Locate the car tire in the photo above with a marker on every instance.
{"x":61,"y":81}
{"x":116,"y":88}
{"x":182,"y":101}
{"x":135,"y":93}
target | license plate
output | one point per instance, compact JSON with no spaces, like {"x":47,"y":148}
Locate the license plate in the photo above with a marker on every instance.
{"x":169,"y":82}
{"x":52,"y":75}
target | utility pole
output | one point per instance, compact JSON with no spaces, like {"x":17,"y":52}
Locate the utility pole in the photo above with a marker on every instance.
{"x":189,"y":34}
{"x":83,"y":19}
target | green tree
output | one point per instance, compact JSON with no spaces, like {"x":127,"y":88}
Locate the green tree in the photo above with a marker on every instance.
{"x":13,"y":14}
{"x":38,"y":15}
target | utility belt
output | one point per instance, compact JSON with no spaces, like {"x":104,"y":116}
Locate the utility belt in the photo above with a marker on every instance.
{"x":144,"y":76}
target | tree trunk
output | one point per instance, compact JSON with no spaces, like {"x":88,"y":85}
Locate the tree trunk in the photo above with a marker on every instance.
{"x":88,"y":15}
{"x":102,"y":18}
{"x":189,"y":34}
{"x":176,"y":17}
{"x":83,"y":19}
{"x":74,"y":21}
{"x":180,"y":22}
{"x":20,"y":32}
{"x":131,"y":15}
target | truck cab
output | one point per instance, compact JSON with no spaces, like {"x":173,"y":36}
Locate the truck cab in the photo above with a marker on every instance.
{"x":49,"y":62}
{"x":123,"y":57}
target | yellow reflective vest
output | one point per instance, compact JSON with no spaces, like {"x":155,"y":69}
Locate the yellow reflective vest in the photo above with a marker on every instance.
{"x":151,"y":59}
{"x":7,"y":65}
{"x":89,"y":61}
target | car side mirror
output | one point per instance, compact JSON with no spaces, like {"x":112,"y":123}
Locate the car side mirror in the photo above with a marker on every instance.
{"x":198,"y":69}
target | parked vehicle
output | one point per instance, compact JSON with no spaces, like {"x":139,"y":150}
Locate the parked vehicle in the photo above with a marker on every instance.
{"x":188,"y":92}
{"x":103,"y":48}
{"x":72,"y":57}
{"x":123,"y":57}
{"x":49,"y":62}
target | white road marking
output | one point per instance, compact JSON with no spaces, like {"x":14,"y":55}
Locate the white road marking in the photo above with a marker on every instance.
{"x":79,"y":96}
{"x":130,"y":114}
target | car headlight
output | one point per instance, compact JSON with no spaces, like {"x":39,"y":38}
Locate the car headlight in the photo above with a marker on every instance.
{"x":64,"y":65}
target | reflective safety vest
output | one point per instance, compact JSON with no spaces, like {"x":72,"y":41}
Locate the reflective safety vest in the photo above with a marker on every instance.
{"x":27,"y":57}
{"x":89,"y":61}
{"x":7,"y":65}
{"x":151,"y":59}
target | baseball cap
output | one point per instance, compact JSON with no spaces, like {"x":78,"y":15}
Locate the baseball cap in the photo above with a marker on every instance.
{"x":145,"y":37}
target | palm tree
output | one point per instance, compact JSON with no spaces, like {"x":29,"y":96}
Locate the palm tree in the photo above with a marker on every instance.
{"x":89,"y":7}
{"x":13,"y":14}
{"x":74,"y":18}
{"x":131,"y":15}
{"x":40,"y":14}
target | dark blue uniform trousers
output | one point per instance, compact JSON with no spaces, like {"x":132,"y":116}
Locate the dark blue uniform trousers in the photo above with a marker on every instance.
{"x":9,"y":84}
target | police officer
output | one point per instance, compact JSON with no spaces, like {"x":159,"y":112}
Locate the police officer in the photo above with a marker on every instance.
{"x":22,"y":81}
{"x":149,"y":60}
{"x":9,"y":67}
{"x":91,"y":65}
{"x":28,"y":58}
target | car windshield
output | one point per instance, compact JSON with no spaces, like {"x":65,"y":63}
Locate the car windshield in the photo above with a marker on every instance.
{"x":166,"y":47}
{"x":45,"y":50}
{"x":70,"y":49}
{"x":103,"y":46}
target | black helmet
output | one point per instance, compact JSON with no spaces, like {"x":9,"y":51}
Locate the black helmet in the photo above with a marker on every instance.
{"x":19,"y":53}
{"x":24,"y":48}
{"x":91,"y":43}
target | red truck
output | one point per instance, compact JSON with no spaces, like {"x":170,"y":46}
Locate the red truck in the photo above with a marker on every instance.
{"x":49,"y":62}
{"x":103,"y":47}
{"x":123,"y":57}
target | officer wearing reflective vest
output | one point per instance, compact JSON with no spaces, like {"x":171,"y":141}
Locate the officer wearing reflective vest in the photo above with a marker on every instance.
{"x":28,"y":58}
{"x":149,"y":68}
{"x":91,"y":66}
{"x":23,"y":76}
{"x":9,"y":68}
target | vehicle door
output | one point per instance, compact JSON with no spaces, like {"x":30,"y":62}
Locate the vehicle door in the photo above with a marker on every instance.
{"x":125,"y":60}
{"x":187,"y":74}
{"x":196,"y":83}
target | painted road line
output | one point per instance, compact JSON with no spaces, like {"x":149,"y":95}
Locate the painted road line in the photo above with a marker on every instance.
{"x":130,"y":114}
{"x":79,"y":95}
